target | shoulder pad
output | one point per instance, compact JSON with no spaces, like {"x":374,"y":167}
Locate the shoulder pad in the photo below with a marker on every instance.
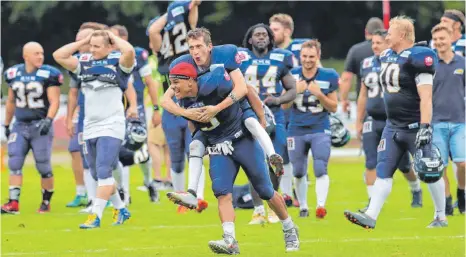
{"x":296,"y":70}
{"x":183,"y":58}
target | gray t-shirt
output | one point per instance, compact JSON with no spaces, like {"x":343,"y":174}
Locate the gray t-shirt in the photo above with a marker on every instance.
{"x":356,"y":55}
{"x":448,"y":97}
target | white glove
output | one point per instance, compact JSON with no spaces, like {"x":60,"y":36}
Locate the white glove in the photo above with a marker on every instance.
{"x":226,"y":148}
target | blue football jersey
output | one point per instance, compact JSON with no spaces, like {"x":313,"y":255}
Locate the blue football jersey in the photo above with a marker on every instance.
{"x":174,"y":34}
{"x":398,"y":79}
{"x":30,"y":90}
{"x":460,"y":45}
{"x":370,"y":68}
{"x":307,"y":114}
{"x":141,"y":70}
{"x":295,"y":48}
{"x":214,"y":87}
{"x":265,"y":73}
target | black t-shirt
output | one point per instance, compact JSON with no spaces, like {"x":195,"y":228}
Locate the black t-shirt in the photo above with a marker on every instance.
{"x":356,"y":55}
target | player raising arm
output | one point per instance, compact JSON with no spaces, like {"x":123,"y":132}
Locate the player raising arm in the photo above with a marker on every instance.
{"x":104,"y":76}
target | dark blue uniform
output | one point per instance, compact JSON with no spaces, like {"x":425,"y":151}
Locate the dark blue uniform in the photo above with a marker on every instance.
{"x":141,"y":70}
{"x":376,"y":115}
{"x":398,"y":77}
{"x":309,"y":126}
{"x":32,"y":104}
{"x":265,"y":74}
{"x":214,"y":87}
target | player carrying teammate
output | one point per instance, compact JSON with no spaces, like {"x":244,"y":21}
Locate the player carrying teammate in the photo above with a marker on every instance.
{"x":210,"y":93}
{"x":267,"y":70}
{"x":407,"y":77}
{"x":104,"y":75}
{"x":309,"y":127}
{"x":168,"y":36}
{"x":34,"y":99}
{"x":370,"y":127}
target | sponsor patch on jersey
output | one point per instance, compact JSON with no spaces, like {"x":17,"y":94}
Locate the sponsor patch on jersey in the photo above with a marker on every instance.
{"x":177,"y":11}
{"x":428,"y":61}
{"x":296,"y":47}
{"x":43,"y":73}
{"x":85,"y":57}
{"x":145,"y":55}
{"x":239,"y":57}
{"x":11,"y":73}
{"x":459,"y":72}
{"x":367,"y":63}
{"x":381,"y":146}
{"x":461,"y":42}
{"x":114,"y":55}
{"x":290,"y":143}
{"x":12,"y":138}
{"x":405,"y":54}
{"x":277,"y":57}
{"x":367,"y":127}
{"x":323,"y":84}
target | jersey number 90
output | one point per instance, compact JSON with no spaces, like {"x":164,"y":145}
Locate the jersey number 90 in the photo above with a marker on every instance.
{"x":390,"y":77}
{"x":29,"y":95}
{"x":179,"y":32}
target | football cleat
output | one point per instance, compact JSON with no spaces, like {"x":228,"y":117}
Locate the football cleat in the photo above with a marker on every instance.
{"x":92,"y":222}
{"x":153,"y":193}
{"x":291,"y":239}
{"x":321,"y":212}
{"x":272,"y":216}
{"x":79,"y":200}
{"x":120,"y":216}
{"x":258,"y":219}
{"x":461,"y":201}
{"x":288,"y":200}
{"x":363,"y":210}
{"x":449,"y":206}
{"x":437,"y":223}
{"x":360,"y":219}
{"x":304,"y":213}
{"x":184,"y":199}
{"x":88,"y":208}
{"x":276,"y":161}
{"x":417,"y":199}
{"x":201,"y":205}
{"x":11,"y":207}
{"x":227,"y":245}
{"x":44,"y":207}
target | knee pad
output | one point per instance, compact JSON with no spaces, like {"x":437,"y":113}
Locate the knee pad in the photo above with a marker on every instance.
{"x":299,"y":169}
{"x":196,"y":149}
{"x":16,"y":172}
{"x":320,"y":168}
{"x":44,"y":167}
{"x":265,"y":191}
{"x":178,"y":167}
{"x":16,"y":163}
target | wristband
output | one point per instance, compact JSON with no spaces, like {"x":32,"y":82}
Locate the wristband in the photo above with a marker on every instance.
{"x":156,"y":107}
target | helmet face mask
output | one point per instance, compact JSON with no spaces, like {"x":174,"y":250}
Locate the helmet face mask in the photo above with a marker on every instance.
{"x":340,"y":135}
{"x":136,"y":135}
{"x":428,"y":164}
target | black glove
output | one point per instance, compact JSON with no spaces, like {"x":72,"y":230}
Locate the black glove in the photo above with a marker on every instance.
{"x":424,"y":135}
{"x":44,"y":126}
{"x":7,"y":131}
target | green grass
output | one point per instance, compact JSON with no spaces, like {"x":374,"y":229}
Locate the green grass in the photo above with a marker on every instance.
{"x":156,"y":229}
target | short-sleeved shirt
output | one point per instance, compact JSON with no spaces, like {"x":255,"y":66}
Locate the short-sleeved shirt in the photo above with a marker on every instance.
{"x":356,"y":55}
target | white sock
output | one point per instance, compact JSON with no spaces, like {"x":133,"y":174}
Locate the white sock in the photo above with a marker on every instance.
{"x":259,"y":133}
{"x":286,"y":182}
{"x":91,"y":185}
{"x":437,"y":191}
{"x":322,"y":186}
{"x":370,"y":190}
{"x":116,"y":201}
{"x":125,"y":177}
{"x":146,"y":169}
{"x":415,"y":185}
{"x":287,"y":223}
{"x":201,"y":185}
{"x":194,"y":174}
{"x":80,"y":190}
{"x":178,"y":181}
{"x":381,"y":190}
{"x":98,"y":207}
{"x":301,"y":192}
{"x":229,"y":228}
{"x":259,"y":209}
{"x":117,"y":174}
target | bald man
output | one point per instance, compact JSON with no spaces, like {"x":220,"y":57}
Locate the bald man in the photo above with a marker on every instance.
{"x":33,"y":99}
{"x":78,"y":163}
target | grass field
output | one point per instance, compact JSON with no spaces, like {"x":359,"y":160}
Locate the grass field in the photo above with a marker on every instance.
{"x":156,"y":229}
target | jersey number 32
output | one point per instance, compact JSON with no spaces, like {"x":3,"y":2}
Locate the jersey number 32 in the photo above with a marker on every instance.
{"x":28,"y":95}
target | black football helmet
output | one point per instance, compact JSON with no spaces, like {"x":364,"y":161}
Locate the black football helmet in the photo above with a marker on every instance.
{"x":136,"y":134}
{"x":428,"y":164}
{"x":340,"y":135}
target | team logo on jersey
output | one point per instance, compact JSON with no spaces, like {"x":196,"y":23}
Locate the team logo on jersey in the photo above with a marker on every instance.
{"x":11,"y":73}
{"x":367,"y":63}
{"x":459,"y":72}
{"x":277,"y":57}
{"x":381,"y":146}
{"x":428,"y":61}
{"x":239,"y":57}
{"x":84,"y":57}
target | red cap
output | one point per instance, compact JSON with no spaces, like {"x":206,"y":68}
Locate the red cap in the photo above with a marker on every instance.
{"x":183,"y":70}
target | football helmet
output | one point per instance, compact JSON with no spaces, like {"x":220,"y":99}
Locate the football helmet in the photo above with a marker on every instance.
{"x":136,"y":134}
{"x":428,"y":164}
{"x":340,"y":135}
